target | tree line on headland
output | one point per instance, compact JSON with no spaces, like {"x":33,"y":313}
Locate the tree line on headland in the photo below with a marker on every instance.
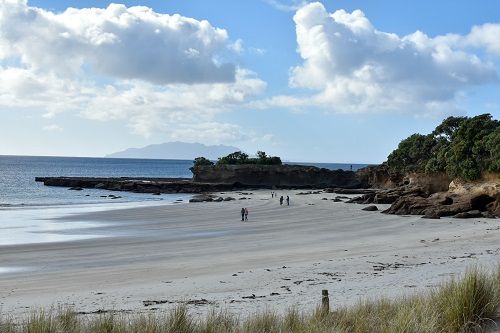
{"x":239,"y":157}
{"x":461,"y":147}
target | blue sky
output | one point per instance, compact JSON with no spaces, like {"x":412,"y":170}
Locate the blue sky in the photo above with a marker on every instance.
{"x":331,"y":81}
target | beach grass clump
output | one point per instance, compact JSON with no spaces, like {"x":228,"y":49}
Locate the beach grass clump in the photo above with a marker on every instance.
{"x":7,"y":326}
{"x":218,"y":321}
{"x":467,"y":304}
{"x":41,"y":322}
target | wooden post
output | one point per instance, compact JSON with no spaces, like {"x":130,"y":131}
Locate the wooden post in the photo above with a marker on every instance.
{"x":325,"y":301}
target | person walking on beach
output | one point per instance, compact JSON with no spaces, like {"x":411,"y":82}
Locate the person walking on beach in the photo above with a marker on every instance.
{"x":287,"y":200}
{"x":242,"y":214}
{"x":272,"y":194}
{"x":281,"y":200}
{"x":246,"y":214}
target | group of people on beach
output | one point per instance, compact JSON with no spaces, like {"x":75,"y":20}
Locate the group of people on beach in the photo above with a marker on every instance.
{"x":275,"y":195}
{"x":244,"y":211}
{"x":244,"y":214}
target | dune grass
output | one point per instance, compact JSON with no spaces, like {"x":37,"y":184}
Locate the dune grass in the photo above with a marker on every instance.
{"x":468,"y":304}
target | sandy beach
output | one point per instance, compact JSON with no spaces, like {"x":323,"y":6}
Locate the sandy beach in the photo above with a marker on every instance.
{"x":151,"y":258}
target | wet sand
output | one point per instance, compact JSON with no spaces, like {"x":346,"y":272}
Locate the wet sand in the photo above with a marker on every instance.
{"x":151,"y":258}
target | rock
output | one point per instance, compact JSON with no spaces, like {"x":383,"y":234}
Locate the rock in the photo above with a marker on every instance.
{"x":364,"y":199}
{"x":336,"y":200}
{"x":99,"y":185}
{"x":75,"y":188}
{"x":219,"y":199}
{"x":202,"y":198}
{"x":481,"y":202}
{"x":379,"y":176}
{"x":468,"y":215}
{"x":349,"y":191}
{"x":433,"y":216}
{"x":229,"y":199}
{"x":446,"y":201}
{"x":370,"y":208}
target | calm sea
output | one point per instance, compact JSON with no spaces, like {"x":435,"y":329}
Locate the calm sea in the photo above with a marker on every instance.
{"x":18,"y":187}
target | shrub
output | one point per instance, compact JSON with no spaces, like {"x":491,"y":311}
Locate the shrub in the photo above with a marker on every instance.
{"x":460,"y":146}
{"x":242,"y":158}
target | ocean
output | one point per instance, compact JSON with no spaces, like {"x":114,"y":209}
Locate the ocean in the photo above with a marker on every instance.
{"x":19,"y":189}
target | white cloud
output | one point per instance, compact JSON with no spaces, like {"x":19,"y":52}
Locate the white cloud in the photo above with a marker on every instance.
{"x":52,"y":128}
{"x":127,"y":43}
{"x":237,"y":46}
{"x":257,"y":51}
{"x":485,"y":36}
{"x":287,"y":5}
{"x":158,"y":73}
{"x":353,"y":67}
{"x":151,"y":108}
{"x":211,"y":132}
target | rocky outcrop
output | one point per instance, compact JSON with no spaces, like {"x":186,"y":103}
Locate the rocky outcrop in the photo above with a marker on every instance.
{"x":447,"y":204}
{"x":138,"y":185}
{"x":283,"y":176}
{"x":379,"y":176}
{"x":428,"y":183}
{"x":219,"y":178}
{"x":428,"y":196}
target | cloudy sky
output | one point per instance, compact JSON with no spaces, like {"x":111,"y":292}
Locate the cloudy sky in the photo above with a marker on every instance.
{"x":330,"y":81}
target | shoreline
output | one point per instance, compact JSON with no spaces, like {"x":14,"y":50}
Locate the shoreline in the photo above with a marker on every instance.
{"x":282,"y":256}
{"x":114,"y":203}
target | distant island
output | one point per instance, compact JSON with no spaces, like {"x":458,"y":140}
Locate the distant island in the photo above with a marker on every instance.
{"x":175,"y":151}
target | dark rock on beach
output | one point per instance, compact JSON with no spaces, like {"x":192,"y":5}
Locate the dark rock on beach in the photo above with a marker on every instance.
{"x":432,"y":216}
{"x":75,"y":188}
{"x":202,"y":198}
{"x":370,"y":208}
{"x":468,"y":215}
{"x":349,"y":191}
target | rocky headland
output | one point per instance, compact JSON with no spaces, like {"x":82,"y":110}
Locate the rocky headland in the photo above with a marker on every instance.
{"x":220,"y":178}
{"x":432,"y":196}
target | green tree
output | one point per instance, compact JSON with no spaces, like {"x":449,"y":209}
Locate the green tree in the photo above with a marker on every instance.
{"x":492,"y":142}
{"x":448,"y":127}
{"x":234,"y":158}
{"x":460,"y":146}
{"x":468,"y":155}
{"x":412,"y":153}
{"x":200,"y":161}
{"x":242,"y":158}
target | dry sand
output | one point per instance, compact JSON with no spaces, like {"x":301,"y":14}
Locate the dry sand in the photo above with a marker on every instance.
{"x":203,"y":253}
